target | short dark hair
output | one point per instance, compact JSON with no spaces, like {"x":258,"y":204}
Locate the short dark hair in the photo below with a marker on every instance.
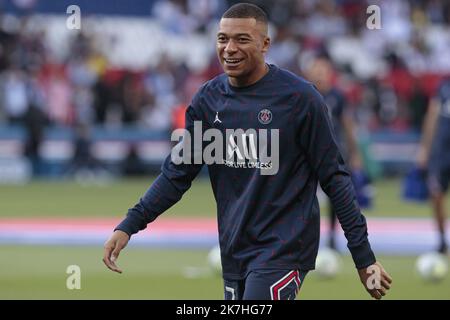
{"x":246,"y":10}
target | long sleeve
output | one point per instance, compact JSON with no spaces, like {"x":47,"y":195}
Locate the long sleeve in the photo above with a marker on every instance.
{"x":166,"y":190}
{"x":318,"y":142}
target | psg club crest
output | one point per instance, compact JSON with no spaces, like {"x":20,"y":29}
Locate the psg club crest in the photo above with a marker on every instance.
{"x":265,"y":116}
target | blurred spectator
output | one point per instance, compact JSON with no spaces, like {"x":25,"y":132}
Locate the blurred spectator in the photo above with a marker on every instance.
{"x":15,"y":95}
{"x":325,"y":21}
{"x":83,"y":161}
{"x":59,"y":97}
{"x":102,"y":99}
{"x":83,"y":102}
{"x":35,"y":121}
{"x":174,"y":16}
{"x":131,"y":98}
{"x":418,"y":104}
{"x":160,"y":82}
{"x":132,"y":164}
{"x":178,"y":116}
{"x":29,"y":50}
{"x":284,"y":50}
{"x":155,"y":116}
{"x":203,"y":11}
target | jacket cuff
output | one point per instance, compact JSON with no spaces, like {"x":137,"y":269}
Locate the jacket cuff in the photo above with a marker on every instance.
{"x":130,"y":225}
{"x":363,"y":255}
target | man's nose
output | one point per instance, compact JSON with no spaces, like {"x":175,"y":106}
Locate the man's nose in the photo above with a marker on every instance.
{"x":231,"y":47}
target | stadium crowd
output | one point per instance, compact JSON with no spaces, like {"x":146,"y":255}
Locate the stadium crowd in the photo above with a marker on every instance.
{"x":388,"y":75}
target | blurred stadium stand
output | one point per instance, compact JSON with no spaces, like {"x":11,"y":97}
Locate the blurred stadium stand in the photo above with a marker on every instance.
{"x":106,"y":7}
{"x":130,"y":71}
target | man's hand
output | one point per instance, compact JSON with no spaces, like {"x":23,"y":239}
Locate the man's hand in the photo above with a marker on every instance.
{"x":376,"y":280}
{"x":113,"y":246}
{"x":356,"y":163}
{"x":421,"y":158}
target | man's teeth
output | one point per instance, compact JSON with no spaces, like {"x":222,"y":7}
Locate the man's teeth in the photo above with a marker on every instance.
{"x":233,"y":60}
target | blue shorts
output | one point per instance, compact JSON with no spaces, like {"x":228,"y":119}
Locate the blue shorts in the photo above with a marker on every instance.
{"x":438,"y":180}
{"x":265,"y":285}
{"x":439,"y":173}
{"x":439,"y":165}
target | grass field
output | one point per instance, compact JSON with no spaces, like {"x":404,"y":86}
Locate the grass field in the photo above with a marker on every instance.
{"x":36,"y":272}
{"x":59,"y":199}
{"x":40,"y":273}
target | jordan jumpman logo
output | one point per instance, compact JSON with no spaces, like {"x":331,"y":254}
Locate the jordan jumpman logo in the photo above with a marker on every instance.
{"x":217,"y":118}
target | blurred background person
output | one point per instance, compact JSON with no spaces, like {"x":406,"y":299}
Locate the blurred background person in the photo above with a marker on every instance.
{"x":434,"y":156}
{"x":321,"y":73}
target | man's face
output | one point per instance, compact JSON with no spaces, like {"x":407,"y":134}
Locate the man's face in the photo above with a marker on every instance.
{"x":241,"y":45}
{"x":320,"y":73}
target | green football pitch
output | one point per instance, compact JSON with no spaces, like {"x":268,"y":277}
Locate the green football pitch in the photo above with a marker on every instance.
{"x":39,"y":272}
{"x":112,"y":199}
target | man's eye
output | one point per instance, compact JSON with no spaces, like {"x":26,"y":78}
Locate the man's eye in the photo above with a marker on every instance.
{"x":243,"y":40}
{"x":221,"y":39}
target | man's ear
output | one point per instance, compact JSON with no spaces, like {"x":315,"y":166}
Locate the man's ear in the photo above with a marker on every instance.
{"x":266,"y":44}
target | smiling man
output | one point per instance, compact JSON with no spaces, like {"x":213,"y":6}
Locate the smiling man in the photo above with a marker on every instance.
{"x":268,"y":221}
{"x":241,"y":45}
